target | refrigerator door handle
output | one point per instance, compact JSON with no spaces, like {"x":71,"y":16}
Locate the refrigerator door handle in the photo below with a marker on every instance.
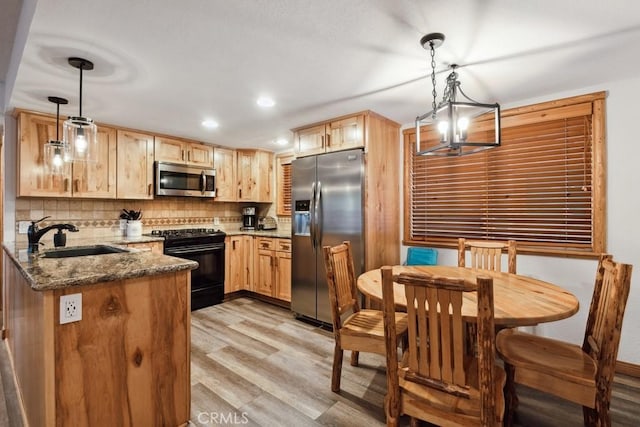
{"x":312,"y":217}
{"x":318,"y":213}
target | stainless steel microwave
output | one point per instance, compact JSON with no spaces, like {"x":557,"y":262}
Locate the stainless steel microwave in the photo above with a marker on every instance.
{"x":181,"y":180}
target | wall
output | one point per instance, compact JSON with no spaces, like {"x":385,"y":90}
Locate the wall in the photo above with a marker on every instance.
{"x":623,"y":229}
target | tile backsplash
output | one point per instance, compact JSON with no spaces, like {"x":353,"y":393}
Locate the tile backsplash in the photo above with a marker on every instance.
{"x":101,"y":218}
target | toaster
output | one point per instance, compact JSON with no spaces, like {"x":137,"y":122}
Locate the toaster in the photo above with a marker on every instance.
{"x":267,"y":223}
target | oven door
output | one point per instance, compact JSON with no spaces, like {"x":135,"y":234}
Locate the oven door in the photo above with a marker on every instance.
{"x":180,"y":180}
{"x":207,"y":281}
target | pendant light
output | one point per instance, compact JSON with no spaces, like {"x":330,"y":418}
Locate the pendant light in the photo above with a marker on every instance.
{"x":457,"y":125}
{"x":80,"y":132}
{"x":56,"y":152}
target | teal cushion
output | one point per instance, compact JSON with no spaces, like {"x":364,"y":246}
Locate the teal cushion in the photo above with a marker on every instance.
{"x":422,"y":256}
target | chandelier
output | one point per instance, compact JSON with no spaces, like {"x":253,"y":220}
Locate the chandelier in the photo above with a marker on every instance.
{"x":457,"y":125}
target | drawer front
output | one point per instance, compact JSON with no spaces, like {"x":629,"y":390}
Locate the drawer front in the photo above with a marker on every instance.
{"x":265,"y":243}
{"x":284,"y":245}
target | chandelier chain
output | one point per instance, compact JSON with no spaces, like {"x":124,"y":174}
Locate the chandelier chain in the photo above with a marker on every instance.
{"x":433,"y":80}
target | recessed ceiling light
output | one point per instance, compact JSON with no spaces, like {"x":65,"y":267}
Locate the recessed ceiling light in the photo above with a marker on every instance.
{"x":210,"y":124}
{"x":281,"y":141}
{"x":265,"y":101}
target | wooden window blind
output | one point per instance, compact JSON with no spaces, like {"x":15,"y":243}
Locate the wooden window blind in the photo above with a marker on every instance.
{"x":284,"y":185}
{"x":543,"y":187}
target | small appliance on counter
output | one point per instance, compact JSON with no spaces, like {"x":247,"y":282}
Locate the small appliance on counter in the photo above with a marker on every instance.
{"x":249,"y":218}
{"x":267,"y":223}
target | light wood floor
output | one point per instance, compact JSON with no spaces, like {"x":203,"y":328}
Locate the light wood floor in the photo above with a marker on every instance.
{"x":254,"y":362}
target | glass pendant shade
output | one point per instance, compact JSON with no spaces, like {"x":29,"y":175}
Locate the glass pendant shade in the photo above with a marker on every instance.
{"x":56,"y":158}
{"x":81,"y":136}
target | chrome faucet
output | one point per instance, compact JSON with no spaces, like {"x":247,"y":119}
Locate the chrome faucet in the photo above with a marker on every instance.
{"x":34,"y":233}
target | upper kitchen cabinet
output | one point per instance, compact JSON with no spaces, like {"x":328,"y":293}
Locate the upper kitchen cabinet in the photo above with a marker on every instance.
{"x":338,"y":134}
{"x":224,"y":162}
{"x":183,"y":152}
{"x":135,"y":165}
{"x":89,"y":180}
{"x":255,"y":175}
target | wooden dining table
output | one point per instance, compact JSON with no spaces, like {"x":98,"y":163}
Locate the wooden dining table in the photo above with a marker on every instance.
{"x":518,"y":300}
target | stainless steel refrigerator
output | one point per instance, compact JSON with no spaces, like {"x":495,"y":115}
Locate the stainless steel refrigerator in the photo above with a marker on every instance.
{"x":327,"y":198}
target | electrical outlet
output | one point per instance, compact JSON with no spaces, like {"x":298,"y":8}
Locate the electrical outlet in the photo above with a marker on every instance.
{"x":23,"y":227}
{"x":216,"y":221}
{"x":70,"y":308}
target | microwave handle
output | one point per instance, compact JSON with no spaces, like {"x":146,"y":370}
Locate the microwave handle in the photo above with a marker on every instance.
{"x":203,"y":182}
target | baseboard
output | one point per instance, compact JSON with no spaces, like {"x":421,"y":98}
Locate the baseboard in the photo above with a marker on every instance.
{"x":627,"y":368}
{"x":248,"y":294}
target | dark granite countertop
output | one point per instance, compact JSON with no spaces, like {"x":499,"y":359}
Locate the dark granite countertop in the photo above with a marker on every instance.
{"x":56,"y":273}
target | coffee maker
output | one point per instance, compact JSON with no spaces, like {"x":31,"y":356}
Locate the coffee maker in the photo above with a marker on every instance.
{"x":249,"y":218}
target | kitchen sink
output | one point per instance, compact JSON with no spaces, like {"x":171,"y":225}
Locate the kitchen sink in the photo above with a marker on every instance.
{"x":82,"y":251}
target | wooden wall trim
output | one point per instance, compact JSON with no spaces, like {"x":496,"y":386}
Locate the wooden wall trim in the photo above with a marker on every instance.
{"x":627,"y":368}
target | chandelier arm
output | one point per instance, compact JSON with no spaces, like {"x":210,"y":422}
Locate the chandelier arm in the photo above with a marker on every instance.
{"x":469,"y":98}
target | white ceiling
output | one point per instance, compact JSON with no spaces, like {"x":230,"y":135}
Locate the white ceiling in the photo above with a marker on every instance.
{"x":165,"y":65}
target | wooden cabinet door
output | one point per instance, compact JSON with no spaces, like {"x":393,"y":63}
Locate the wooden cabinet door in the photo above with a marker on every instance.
{"x":255,"y":176}
{"x":234,"y":261}
{"x":248,"y":254}
{"x":346,"y":133}
{"x":34,"y":177}
{"x":265,"y":272}
{"x":239,"y":252}
{"x":200,"y":155}
{"x":135,"y":165}
{"x":310,"y":140}
{"x":283,"y":275}
{"x":170,"y":150}
{"x":98,"y":180}
{"x":224,"y":162}
{"x":247,"y":186}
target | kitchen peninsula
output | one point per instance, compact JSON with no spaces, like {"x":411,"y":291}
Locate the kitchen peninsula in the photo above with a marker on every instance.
{"x":126,"y":362}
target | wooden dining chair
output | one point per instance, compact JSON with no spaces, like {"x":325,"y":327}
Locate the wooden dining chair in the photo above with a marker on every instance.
{"x":487,"y":255}
{"x":361,"y":329}
{"x":436,"y":380}
{"x":583,"y":375}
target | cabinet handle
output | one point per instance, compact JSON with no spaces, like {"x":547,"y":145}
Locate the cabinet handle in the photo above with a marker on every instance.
{"x":149,"y":189}
{"x":66,"y":184}
{"x":240,"y":193}
{"x":182,"y":154}
{"x":188,"y":156}
{"x":328,"y":140}
{"x":233,"y":245}
{"x":76,"y":185}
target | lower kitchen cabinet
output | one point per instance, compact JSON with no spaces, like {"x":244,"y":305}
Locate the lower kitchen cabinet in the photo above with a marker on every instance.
{"x":258,"y":264}
{"x":273,"y":268}
{"x":238,"y":263}
{"x":283,"y":269}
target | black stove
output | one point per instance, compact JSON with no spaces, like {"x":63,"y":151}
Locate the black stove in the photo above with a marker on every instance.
{"x":189,"y":233}
{"x":206,"y":246}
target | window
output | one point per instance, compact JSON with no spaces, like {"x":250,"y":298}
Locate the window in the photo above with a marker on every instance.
{"x":283,"y":206}
{"x":543,"y":187}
